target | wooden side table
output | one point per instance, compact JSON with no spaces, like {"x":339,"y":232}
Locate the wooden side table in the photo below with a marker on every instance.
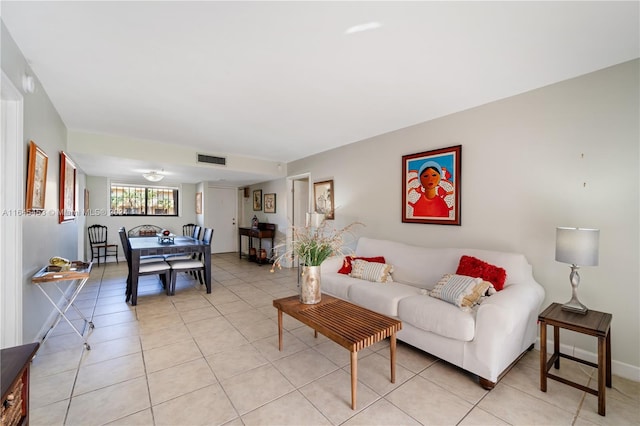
{"x":593,"y":323}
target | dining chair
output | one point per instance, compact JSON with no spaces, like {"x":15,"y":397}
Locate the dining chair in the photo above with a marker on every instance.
{"x":147,"y":267}
{"x":100,"y":247}
{"x":188,"y":265}
{"x":187,"y":230}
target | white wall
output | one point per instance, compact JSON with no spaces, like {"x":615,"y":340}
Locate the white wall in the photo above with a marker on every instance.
{"x":563,"y":155}
{"x":43,"y":237}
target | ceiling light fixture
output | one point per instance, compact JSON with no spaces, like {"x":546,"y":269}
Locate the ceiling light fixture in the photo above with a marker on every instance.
{"x":363,"y":27}
{"x":153,"y":176}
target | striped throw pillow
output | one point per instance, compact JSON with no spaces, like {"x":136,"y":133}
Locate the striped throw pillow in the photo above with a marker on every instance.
{"x":371,"y":271}
{"x":460,"y":290}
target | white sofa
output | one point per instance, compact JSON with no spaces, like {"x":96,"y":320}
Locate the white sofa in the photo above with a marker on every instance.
{"x":485,"y":340}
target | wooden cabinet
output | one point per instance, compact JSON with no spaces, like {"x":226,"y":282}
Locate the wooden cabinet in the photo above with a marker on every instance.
{"x":15,"y":383}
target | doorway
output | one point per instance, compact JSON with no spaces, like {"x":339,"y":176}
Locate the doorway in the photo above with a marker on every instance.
{"x":300,"y":204}
{"x":11,"y":202}
{"x":220,"y":214}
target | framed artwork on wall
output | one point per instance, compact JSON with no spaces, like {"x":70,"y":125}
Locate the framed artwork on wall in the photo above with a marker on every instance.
{"x":36,"y":177}
{"x":323,"y":199}
{"x":269,"y":203}
{"x":257,"y":200}
{"x":431,"y":186}
{"x":198,"y":202}
{"x":67,"y":189}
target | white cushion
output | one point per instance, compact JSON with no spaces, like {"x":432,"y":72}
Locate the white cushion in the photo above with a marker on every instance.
{"x":379,"y":297}
{"x":153,"y":267}
{"x":151,"y":259}
{"x":185,"y":264}
{"x":437,"y":316}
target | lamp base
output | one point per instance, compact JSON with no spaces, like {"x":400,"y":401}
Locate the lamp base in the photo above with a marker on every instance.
{"x":575,"y":306}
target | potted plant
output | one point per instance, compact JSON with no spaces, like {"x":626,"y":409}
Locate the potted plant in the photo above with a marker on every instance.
{"x":312,"y":245}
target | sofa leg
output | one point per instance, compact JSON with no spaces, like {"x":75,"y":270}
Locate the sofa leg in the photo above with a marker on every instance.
{"x":486,"y":384}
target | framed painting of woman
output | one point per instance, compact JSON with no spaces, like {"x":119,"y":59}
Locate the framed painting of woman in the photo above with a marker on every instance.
{"x":431,"y":186}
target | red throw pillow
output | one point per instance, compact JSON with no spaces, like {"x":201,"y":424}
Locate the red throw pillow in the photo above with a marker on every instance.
{"x":346,"y":264}
{"x":476,"y":268}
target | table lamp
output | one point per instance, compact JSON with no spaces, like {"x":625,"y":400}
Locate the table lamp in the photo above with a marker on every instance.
{"x":577,"y":247}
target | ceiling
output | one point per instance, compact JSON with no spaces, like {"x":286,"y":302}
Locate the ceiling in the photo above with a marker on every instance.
{"x":281,"y":81}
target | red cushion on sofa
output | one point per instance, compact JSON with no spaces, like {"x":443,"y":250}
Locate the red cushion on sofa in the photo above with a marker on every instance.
{"x":476,"y":268}
{"x":346,"y":264}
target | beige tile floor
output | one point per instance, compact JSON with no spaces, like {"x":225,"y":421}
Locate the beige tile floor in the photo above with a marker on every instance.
{"x":213,"y":359}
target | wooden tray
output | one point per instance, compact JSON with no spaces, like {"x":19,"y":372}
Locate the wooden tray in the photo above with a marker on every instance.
{"x":77,"y":270}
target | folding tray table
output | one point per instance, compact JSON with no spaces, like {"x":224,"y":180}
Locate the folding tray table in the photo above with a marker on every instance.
{"x":79,"y":272}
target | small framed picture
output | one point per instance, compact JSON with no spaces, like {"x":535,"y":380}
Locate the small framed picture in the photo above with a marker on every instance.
{"x":67,"y":189}
{"x":257,"y":200}
{"x":269,"y":203}
{"x":323,"y":199}
{"x":36,"y":177}
{"x":431,"y":186}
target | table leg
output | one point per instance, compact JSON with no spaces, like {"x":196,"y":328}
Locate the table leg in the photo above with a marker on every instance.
{"x":602,"y":353}
{"x":279,"y":329}
{"x":392,"y":345}
{"x":240,"y":246}
{"x":207,"y":268}
{"x":608,"y":358}
{"x":354,"y":378}
{"x":556,"y":346}
{"x":543,"y":356}
{"x":135,"y":267}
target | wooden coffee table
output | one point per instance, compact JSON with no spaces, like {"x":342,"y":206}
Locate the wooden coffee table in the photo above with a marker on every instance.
{"x":349,"y":325}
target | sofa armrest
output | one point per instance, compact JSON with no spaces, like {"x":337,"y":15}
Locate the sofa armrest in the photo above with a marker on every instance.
{"x":505,"y":327}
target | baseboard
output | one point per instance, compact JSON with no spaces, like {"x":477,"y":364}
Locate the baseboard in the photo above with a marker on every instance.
{"x":618,"y":368}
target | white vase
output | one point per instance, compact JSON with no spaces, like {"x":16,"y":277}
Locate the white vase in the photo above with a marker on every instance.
{"x":310,"y":285}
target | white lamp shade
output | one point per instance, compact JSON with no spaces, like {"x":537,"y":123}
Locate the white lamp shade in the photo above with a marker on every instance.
{"x":577,"y":246}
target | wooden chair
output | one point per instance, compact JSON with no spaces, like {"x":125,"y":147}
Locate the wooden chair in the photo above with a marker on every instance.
{"x":187,"y":230}
{"x":100,"y":247}
{"x":147,"y":267}
{"x":196,"y":265}
{"x":144,"y":231}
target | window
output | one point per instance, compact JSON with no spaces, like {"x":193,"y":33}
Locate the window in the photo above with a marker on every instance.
{"x":134,"y":200}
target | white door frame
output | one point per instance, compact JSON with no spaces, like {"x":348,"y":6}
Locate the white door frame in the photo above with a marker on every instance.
{"x":11,"y":208}
{"x":290,"y":205}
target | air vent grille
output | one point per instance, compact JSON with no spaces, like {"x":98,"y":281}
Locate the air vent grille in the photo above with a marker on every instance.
{"x":212,"y":159}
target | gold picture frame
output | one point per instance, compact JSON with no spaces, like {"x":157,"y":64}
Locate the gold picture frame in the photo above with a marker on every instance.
{"x":67,"y":189}
{"x":257,"y":200}
{"x":36,"y":177}
{"x":269,"y":203}
{"x":323,"y":199}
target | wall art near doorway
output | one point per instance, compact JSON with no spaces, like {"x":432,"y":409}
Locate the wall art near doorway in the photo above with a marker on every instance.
{"x":67,"y":189}
{"x":257,"y":200}
{"x":323,"y":199}
{"x":431,"y":186}
{"x":269,"y":203}
{"x":36,"y":177}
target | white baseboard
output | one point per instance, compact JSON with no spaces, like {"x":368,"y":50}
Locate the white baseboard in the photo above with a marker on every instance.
{"x":618,"y":368}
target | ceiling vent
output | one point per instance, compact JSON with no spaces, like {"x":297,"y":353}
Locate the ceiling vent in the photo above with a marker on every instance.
{"x":212,"y":159}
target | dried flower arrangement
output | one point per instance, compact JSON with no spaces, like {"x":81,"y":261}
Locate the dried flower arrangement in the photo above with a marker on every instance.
{"x":313,"y":245}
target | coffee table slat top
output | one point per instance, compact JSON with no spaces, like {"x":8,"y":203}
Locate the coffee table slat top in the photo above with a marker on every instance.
{"x":349,"y":325}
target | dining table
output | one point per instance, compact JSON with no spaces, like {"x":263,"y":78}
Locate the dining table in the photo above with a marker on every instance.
{"x":158,"y":246}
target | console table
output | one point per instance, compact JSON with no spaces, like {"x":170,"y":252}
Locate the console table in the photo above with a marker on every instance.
{"x":264,"y":230}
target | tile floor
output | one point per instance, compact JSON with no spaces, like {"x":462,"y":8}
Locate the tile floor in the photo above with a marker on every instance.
{"x":213,"y":359}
